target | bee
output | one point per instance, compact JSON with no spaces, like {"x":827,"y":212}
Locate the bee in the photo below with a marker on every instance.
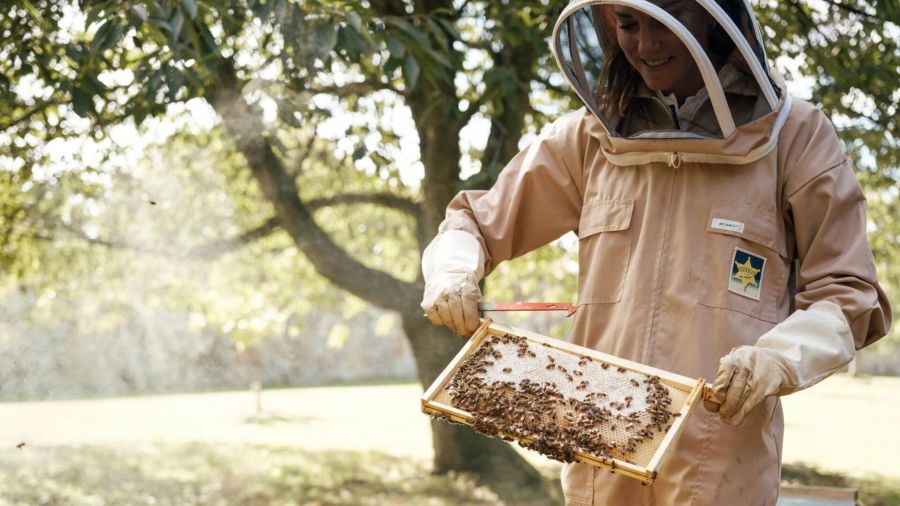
{"x":604,"y":365}
{"x":507,"y":370}
{"x":620,"y":369}
{"x":635,"y":383}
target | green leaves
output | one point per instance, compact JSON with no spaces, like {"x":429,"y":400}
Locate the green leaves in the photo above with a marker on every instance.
{"x":353,"y":45}
{"x":325,"y":37}
{"x":190,"y":8}
{"x":412,"y":34}
{"x":421,"y":46}
{"x":410,"y":70}
{"x":395,"y":46}
{"x":82,"y":103}
{"x":138,"y":13}
{"x":106,"y":36}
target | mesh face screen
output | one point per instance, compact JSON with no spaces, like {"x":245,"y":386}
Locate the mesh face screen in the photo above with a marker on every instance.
{"x":558,"y":402}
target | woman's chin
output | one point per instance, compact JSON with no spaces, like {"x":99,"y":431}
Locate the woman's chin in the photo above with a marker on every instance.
{"x":657,"y":85}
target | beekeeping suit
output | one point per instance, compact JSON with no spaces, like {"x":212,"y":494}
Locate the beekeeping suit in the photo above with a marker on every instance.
{"x":721,"y":235}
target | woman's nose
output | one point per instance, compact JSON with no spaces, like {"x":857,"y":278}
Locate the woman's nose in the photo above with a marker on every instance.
{"x":651,"y":38}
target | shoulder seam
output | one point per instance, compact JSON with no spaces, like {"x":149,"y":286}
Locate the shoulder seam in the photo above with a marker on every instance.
{"x":815,"y":176}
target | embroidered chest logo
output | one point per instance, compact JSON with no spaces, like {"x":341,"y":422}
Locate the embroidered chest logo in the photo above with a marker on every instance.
{"x":746,"y":274}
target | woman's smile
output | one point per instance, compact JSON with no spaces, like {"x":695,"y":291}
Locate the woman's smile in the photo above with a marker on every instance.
{"x":656,"y":62}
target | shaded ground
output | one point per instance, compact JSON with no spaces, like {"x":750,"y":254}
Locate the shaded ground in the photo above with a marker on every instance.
{"x":357,"y":445}
{"x":203,"y":474}
{"x":847,"y":425}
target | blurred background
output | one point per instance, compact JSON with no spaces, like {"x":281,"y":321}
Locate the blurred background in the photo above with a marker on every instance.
{"x":211,"y":220}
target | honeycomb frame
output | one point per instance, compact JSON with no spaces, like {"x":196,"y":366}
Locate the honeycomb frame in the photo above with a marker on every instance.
{"x":437,"y":402}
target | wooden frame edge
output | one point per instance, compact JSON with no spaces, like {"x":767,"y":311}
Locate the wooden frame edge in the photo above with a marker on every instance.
{"x":664,"y":446}
{"x":442,"y":379}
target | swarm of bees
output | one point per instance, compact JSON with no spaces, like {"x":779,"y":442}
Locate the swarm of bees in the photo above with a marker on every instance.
{"x":535,"y":412}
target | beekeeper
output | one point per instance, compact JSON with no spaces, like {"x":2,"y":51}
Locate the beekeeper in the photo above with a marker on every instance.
{"x":721,"y":234}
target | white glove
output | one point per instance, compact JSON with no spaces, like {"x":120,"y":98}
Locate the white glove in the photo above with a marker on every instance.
{"x":453,"y":264}
{"x":797,"y":353}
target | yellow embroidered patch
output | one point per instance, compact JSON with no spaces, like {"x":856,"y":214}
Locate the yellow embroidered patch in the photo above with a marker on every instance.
{"x":746,"y":274}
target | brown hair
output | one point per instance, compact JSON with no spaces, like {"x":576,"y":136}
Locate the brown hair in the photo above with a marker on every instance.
{"x":618,"y":82}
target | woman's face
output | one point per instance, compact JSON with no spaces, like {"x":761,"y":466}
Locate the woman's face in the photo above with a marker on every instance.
{"x":656,"y":52}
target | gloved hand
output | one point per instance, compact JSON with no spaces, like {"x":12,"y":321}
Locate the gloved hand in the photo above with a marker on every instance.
{"x":746,"y":376}
{"x":797,"y":353}
{"x":452,"y":264}
{"x":451,"y":299}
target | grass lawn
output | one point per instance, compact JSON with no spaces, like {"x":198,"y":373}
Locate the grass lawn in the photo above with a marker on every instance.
{"x":203,"y":474}
{"x":353,"y":445}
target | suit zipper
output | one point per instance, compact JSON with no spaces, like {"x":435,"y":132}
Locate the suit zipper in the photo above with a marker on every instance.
{"x":674,"y":114}
{"x":674,"y":161}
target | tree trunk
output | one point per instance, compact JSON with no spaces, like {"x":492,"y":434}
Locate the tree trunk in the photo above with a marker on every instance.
{"x":256,"y":364}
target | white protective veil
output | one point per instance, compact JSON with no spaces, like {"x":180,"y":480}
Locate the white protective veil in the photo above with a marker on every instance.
{"x":733,"y":117}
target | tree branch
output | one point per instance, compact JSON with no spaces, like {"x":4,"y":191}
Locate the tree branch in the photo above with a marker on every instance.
{"x":97,"y":241}
{"x":329,"y":259}
{"x":273,"y":224}
{"x":382,"y":199}
{"x":349,"y":89}
{"x":217,"y":248}
{"x":25,"y":117}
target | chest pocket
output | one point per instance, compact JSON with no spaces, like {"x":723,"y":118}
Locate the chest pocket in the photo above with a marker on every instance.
{"x":604,"y":250}
{"x":742,"y":264}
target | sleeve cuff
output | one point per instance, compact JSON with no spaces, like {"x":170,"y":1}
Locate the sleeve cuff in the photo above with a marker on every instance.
{"x":453,"y":251}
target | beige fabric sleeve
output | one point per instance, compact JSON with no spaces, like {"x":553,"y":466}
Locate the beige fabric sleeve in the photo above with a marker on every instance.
{"x":537,"y":197}
{"x":828,"y":211}
{"x":811,"y":344}
{"x":453,"y":251}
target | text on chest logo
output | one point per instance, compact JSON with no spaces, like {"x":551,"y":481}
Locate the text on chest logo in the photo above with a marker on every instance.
{"x":730,"y":225}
